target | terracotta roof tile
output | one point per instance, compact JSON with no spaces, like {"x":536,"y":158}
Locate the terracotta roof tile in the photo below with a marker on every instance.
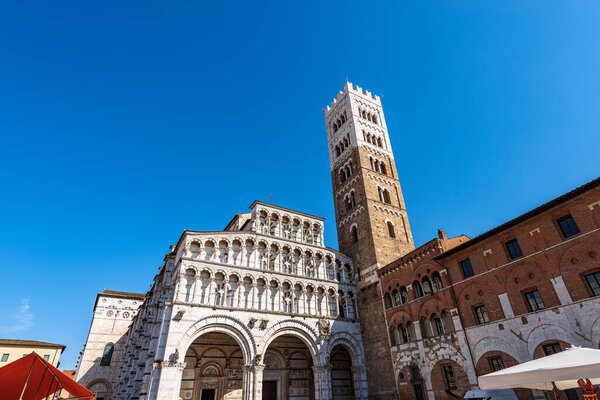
{"x":124,"y":294}
{"x":17,"y":342}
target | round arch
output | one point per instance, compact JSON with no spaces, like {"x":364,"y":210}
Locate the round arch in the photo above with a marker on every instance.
{"x":543,"y":332}
{"x":293,"y":328}
{"x":350,"y":343}
{"x":220,"y":324}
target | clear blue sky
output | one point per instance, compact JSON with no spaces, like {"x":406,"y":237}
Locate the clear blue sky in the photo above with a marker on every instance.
{"x":124,"y":123}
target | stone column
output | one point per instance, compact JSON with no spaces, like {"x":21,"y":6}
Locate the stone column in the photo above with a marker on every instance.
{"x":303,"y":301}
{"x":253,"y":300}
{"x":248,"y":382}
{"x":258,"y":381}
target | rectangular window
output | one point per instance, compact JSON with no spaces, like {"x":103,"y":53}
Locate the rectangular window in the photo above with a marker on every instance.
{"x":47,"y":357}
{"x":496,"y":363}
{"x":568,"y":226}
{"x":514,"y":250}
{"x":467,"y":268}
{"x":4,"y":357}
{"x":534,"y":301}
{"x":481,"y":314}
{"x":593,"y":281}
{"x":551,"y":348}
{"x":449,"y":377}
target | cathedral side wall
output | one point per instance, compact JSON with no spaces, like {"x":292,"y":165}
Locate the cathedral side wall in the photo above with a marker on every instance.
{"x":112,"y":317}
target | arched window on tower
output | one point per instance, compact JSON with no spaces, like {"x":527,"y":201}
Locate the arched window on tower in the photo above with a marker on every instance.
{"x":382,"y":168}
{"x":354,"y":233}
{"x":107,"y":355}
{"x":349,"y":200}
{"x":391,"y":231}
{"x":386,"y":196}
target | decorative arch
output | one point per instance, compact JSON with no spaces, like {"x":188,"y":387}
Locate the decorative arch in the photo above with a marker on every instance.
{"x":543,"y":332}
{"x":94,"y":385}
{"x":220,"y":324}
{"x":350,"y":343}
{"x":493,"y":343}
{"x":595,"y":333}
{"x":295,"y":328}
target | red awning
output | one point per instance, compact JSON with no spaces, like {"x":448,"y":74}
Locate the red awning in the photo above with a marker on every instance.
{"x":33,"y":378}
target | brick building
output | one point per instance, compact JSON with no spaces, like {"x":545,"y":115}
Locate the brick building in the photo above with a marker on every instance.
{"x":459,"y":308}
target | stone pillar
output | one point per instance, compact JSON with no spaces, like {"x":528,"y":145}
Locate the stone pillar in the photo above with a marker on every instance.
{"x":285,"y":382}
{"x":321,"y":377}
{"x":359,"y":373}
{"x":258,"y":381}
{"x":561,"y":290}
{"x":303,"y":300}
{"x":248,"y":382}
{"x":253,"y":300}
{"x":169,"y":382}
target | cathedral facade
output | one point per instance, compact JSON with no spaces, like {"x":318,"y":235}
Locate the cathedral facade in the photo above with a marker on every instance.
{"x":259,"y":310}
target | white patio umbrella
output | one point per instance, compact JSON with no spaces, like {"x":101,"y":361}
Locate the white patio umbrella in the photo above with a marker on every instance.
{"x":562,"y":368}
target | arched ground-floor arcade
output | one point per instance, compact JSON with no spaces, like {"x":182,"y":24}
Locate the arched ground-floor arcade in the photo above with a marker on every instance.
{"x":286,"y":363}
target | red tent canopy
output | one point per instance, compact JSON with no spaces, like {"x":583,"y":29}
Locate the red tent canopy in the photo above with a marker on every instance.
{"x":33,"y":378}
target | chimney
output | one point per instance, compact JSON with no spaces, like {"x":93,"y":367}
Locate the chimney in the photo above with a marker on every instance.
{"x":442,"y":235}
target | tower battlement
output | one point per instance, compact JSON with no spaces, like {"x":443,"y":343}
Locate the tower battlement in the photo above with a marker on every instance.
{"x":349,"y":87}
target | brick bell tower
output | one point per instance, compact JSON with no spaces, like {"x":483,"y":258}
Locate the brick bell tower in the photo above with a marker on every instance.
{"x":371,"y":218}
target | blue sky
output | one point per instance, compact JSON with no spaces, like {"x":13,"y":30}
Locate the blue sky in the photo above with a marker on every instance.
{"x":124,"y":123}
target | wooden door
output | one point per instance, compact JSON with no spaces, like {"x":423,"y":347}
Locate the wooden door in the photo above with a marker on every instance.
{"x":269,"y":390}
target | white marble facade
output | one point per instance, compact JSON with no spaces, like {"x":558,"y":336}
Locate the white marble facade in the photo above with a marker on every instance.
{"x":263,"y":299}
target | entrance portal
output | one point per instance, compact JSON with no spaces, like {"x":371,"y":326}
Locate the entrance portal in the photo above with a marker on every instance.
{"x":213,"y":369}
{"x":341,"y":374}
{"x":288,"y":370}
{"x":269,"y":390}
{"x":208,"y":394}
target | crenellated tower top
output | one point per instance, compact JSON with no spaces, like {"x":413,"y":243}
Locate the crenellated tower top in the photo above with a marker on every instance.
{"x":355,"y":118}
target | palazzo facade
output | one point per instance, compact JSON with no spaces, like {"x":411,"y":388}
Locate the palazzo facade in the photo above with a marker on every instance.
{"x":259,"y":310}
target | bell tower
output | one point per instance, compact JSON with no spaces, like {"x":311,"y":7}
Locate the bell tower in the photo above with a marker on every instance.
{"x":371,"y":218}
